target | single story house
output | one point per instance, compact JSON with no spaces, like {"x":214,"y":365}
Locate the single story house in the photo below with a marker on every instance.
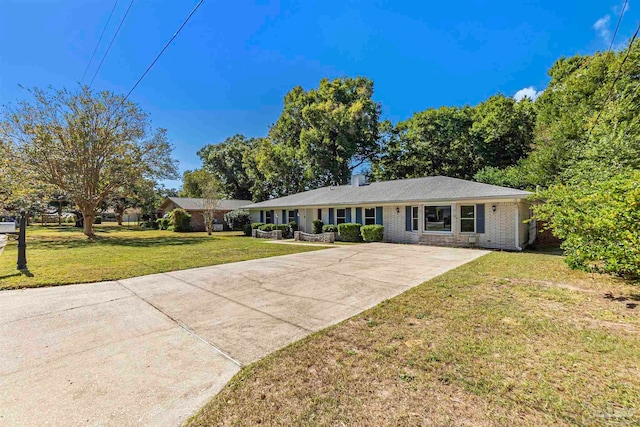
{"x":196,"y":208}
{"x":435,"y":210}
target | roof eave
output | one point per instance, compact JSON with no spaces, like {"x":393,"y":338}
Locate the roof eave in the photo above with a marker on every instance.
{"x":440,"y":199}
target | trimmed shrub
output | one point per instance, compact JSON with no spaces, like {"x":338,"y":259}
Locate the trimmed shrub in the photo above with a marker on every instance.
{"x":162,"y":223}
{"x":246,"y":229}
{"x":267,"y":227}
{"x":349,"y":232}
{"x":317,"y":226}
{"x":256,"y":225}
{"x":329,"y":228}
{"x":285,"y":228}
{"x":98,"y":220}
{"x":180,"y":220}
{"x":293,"y":226}
{"x":372,"y":233}
{"x":237,"y":219}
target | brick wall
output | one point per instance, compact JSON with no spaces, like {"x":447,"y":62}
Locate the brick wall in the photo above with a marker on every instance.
{"x":197,"y":220}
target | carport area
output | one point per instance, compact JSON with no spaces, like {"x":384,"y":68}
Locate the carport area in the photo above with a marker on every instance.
{"x":152,"y":350}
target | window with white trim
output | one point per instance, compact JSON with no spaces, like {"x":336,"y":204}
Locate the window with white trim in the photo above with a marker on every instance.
{"x":369,"y":216}
{"x":414,"y":218}
{"x":268,"y":218}
{"x":437,"y":218}
{"x":341,"y":216}
{"x":467,"y":218}
{"x":292,"y":216}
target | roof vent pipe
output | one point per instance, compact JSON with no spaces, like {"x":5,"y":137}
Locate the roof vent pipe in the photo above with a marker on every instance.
{"x":358,"y":180}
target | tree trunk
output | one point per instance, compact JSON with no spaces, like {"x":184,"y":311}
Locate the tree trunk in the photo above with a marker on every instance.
{"x":119,"y":219}
{"x":89,"y":217}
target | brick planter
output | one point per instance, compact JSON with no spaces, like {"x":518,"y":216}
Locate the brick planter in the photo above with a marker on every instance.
{"x":323,"y":237}
{"x":274,"y":235}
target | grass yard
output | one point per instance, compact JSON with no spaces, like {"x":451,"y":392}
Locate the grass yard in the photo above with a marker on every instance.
{"x":509,"y":339}
{"x":63,"y":255}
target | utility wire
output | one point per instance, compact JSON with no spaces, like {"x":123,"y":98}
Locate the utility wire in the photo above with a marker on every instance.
{"x":111,"y":43}
{"x":624,"y":8}
{"x":163,"y":49}
{"x":615,"y":80}
{"x":99,"y":40}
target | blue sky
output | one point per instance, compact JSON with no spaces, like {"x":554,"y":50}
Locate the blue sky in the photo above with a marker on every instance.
{"x":229,"y":69}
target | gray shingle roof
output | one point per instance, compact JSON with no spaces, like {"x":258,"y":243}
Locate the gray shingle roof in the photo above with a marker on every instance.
{"x":193,"y":204}
{"x":430,"y":188}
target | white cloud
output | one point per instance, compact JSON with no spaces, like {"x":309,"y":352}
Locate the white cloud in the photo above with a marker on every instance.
{"x":617,"y":9}
{"x":602,"y":27}
{"x":530,"y":92}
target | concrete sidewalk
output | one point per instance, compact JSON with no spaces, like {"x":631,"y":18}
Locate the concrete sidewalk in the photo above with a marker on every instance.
{"x":152,"y":350}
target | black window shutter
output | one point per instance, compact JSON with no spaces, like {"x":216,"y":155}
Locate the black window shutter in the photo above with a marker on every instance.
{"x":407,"y":218}
{"x":480,"y":218}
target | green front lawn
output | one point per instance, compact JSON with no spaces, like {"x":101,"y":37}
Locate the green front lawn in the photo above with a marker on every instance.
{"x":63,"y":255}
{"x":508,"y":339}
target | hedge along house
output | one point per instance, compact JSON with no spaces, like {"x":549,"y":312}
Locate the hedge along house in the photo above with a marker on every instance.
{"x":434,"y":210}
{"x":196,"y":208}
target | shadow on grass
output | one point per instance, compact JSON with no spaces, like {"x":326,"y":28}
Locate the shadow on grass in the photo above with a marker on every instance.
{"x":24,"y":272}
{"x":97,"y":228}
{"x":545,"y":249}
{"x":624,"y":298}
{"x":120,"y":241}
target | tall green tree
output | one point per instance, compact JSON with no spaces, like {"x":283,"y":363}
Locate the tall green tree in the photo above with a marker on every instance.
{"x":85,"y":144}
{"x":332,"y":130}
{"x":586,"y":127}
{"x":431,"y":142}
{"x":279,"y":170}
{"x":192,"y":182}
{"x":226,"y":162}
{"x":588,"y":113}
{"x":502,"y":130}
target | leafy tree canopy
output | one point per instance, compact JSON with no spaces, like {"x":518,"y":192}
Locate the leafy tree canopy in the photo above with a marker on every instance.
{"x":85,"y":144}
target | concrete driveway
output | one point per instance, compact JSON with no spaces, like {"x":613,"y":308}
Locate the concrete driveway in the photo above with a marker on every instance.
{"x":152,"y":350}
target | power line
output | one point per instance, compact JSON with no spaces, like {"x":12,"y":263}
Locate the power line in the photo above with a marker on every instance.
{"x":111,"y":43}
{"x":624,"y":8}
{"x":163,"y":49}
{"x":615,"y":80}
{"x":99,"y":40}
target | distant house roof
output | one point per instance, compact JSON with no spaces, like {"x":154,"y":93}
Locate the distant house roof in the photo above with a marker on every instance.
{"x":432,"y":188}
{"x":193,"y":204}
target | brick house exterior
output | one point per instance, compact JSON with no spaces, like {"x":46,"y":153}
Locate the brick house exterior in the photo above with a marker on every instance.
{"x":195,"y":207}
{"x":434,"y":210}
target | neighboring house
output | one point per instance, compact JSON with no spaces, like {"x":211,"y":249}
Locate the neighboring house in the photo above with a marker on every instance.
{"x":196,"y":208}
{"x":129,"y":215}
{"x":434,"y":210}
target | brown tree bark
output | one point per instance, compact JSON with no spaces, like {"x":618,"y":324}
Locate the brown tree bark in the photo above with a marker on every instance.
{"x":87,"y":224}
